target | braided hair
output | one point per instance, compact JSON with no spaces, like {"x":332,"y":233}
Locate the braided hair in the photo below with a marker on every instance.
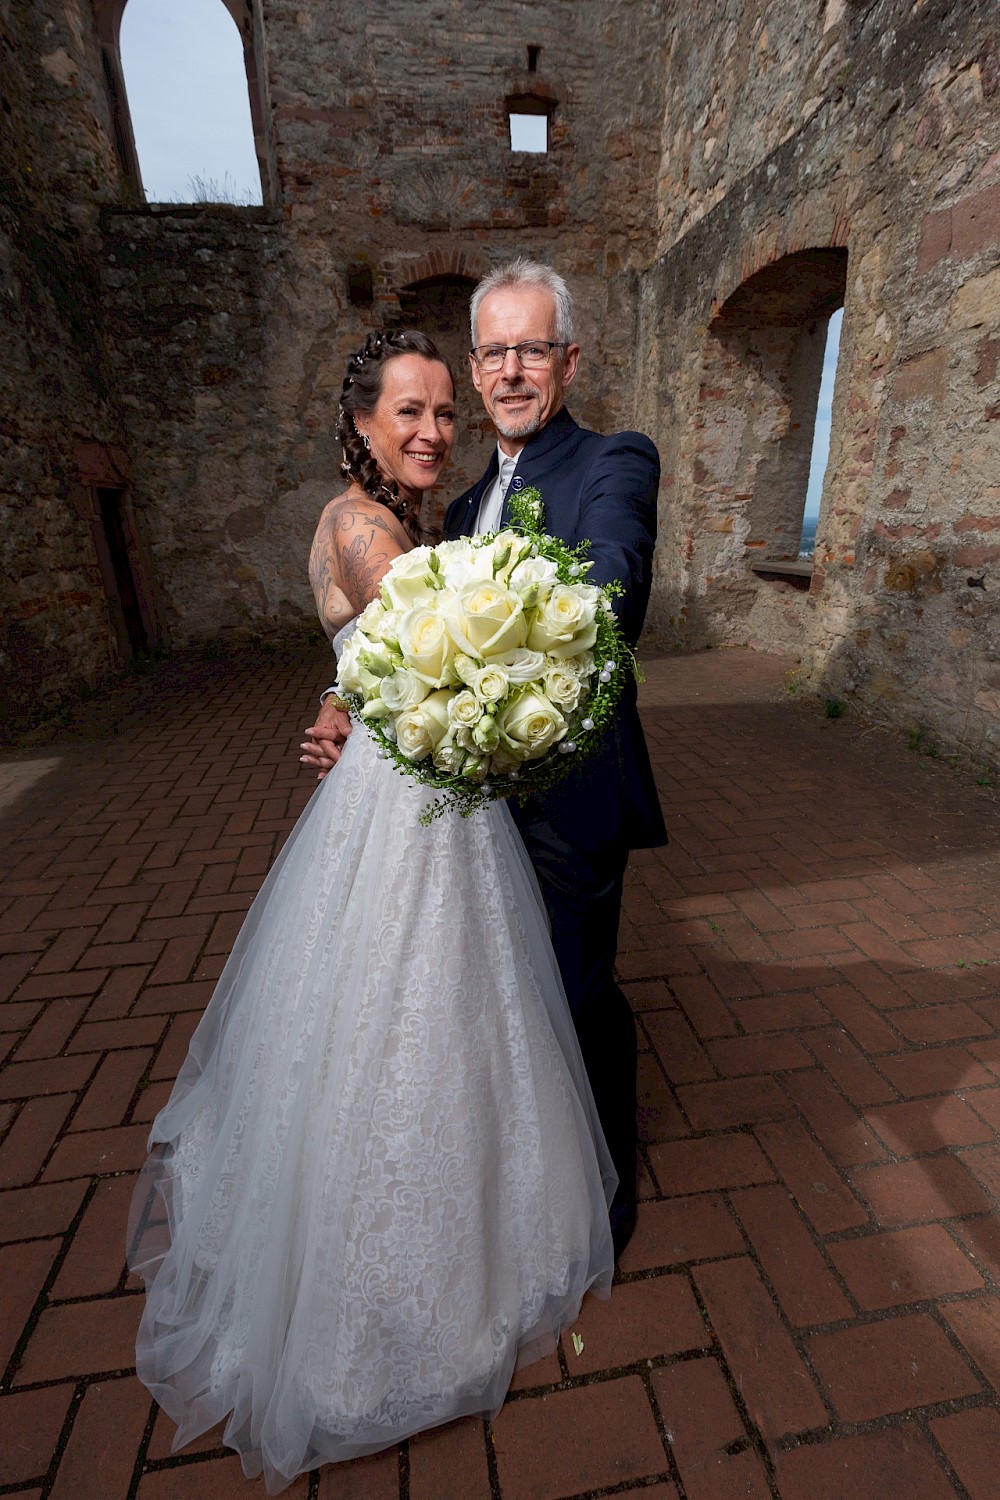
{"x":362,"y":389}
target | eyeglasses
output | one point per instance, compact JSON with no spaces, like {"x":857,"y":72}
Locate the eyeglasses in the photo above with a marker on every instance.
{"x":532,"y":354}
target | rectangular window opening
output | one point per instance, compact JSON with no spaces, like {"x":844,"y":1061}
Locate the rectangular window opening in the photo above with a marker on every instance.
{"x":529,"y":132}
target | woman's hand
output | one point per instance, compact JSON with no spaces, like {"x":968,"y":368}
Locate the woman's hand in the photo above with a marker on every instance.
{"x":327,"y":738}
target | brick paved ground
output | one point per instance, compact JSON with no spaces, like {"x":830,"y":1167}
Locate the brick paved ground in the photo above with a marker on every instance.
{"x":811,"y":1303}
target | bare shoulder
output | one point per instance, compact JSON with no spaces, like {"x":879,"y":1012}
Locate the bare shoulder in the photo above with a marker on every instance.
{"x":355,"y":514}
{"x":365,"y":538}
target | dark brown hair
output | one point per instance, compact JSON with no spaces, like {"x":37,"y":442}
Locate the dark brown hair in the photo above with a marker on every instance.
{"x":362,"y":388}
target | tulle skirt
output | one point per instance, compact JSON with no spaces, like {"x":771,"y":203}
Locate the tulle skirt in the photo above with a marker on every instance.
{"x":379,"y":1183}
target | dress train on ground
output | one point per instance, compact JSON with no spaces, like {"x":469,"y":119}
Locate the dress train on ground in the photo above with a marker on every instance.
{"x":379,"y":1182}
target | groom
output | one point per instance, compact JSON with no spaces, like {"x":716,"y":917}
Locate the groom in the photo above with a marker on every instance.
{"x":601,"y":490}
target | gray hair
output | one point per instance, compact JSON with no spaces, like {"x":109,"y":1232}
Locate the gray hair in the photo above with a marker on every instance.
{"x":524,"y":272}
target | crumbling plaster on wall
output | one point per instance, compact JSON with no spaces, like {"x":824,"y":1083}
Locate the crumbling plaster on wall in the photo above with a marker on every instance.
{"x":205,"y":347}
{"x":903,"y":149}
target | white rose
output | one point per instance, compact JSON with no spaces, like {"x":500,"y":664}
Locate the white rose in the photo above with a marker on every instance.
{"x":463,"y":562}
{"x":486,"y":619}
{"x":565,"y":622}
{"x":386,"y":628}
{"x":426,"y":645}
{"x":465,"y":709}
{"x":403,"y":689}
{"x":562,"y":687}
{"x":530,"y":724}
{"x":352,"y":675}
{"x":520,"y":665}
{"x":465,"y":667}
{"x":583,"y":665}
{"x":476,"y":768}
{"x":449,"y":756}
{"x":408,"y":580}
{"x":533,"y":573}
{"x":509,"y":539}
{"x":419,"y":730}
{"x":371,"y":616}
{"x":490,"y":684}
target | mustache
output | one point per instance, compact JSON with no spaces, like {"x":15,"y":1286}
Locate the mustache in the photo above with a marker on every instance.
{"x":518,"y":390}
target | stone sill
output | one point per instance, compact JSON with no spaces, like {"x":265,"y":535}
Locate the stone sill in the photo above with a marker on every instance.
{"x":797,"y":572}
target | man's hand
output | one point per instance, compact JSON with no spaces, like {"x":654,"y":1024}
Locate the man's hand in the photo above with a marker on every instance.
{"x":327,"y":738}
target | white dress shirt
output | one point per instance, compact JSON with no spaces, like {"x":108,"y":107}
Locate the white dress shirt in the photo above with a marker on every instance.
{"x":491,"y":505}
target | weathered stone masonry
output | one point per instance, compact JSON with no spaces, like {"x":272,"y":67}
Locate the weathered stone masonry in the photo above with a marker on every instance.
{"x":715,"y":187}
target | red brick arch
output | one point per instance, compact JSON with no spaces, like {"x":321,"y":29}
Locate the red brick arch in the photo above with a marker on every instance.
{"x":466,"y":261}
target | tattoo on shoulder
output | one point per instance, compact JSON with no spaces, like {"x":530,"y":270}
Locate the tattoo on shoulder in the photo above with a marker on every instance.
{"x":353,"y":514}
{"x":366,"y":543}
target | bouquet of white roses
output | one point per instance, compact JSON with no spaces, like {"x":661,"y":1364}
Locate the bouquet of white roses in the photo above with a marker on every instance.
{"x":486,"y":665}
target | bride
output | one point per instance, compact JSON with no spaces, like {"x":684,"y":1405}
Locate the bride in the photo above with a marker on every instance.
{"x":379,"y":1183}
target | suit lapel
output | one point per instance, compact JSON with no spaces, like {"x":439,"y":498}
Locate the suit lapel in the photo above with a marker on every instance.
{"x":465,"y":520}
{"x":536,"y":457}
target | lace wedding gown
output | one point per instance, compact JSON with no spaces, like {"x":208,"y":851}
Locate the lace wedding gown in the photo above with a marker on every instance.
{"x":379,"y":1182}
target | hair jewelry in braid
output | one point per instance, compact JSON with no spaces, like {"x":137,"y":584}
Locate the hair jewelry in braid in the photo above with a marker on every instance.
{"x":362,"y":389}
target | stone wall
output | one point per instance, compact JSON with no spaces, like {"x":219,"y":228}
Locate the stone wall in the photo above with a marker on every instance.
{"x":713,"y":191}
{"x":229,"y":330}
{"x":875,"y":131}
{"x":59,"y":431}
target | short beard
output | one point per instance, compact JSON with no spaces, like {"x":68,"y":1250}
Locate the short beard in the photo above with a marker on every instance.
{"x":518,"y":427}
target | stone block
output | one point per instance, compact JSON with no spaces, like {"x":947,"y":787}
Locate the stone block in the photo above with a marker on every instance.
{"x":977,"y":303}
{"x":976,"y":223}
{"x":921,"y":376}
{"x":936,"y":239}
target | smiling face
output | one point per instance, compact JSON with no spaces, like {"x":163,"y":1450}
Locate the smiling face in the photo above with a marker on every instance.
{"x":412,"y":429}
{"x":521,"y":401}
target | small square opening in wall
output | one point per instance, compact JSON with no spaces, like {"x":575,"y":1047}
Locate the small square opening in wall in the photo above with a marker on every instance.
{"x":529,"y":132}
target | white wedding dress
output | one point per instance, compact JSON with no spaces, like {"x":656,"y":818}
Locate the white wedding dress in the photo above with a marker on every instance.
{"x":379,"y":1182}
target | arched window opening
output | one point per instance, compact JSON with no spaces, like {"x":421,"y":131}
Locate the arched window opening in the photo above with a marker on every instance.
{"x":186,"y":74}
{"x":821,"y":437}
{"x":762,"y":388}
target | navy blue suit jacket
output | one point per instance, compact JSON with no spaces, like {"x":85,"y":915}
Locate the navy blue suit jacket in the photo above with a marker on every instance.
{"x":601,"y":490}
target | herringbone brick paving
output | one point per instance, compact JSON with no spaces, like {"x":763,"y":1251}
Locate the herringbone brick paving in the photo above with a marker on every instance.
{"x":811,"y":1304}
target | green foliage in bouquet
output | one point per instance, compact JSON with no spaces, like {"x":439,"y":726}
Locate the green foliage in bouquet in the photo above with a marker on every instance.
{"x":470,"y":782}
